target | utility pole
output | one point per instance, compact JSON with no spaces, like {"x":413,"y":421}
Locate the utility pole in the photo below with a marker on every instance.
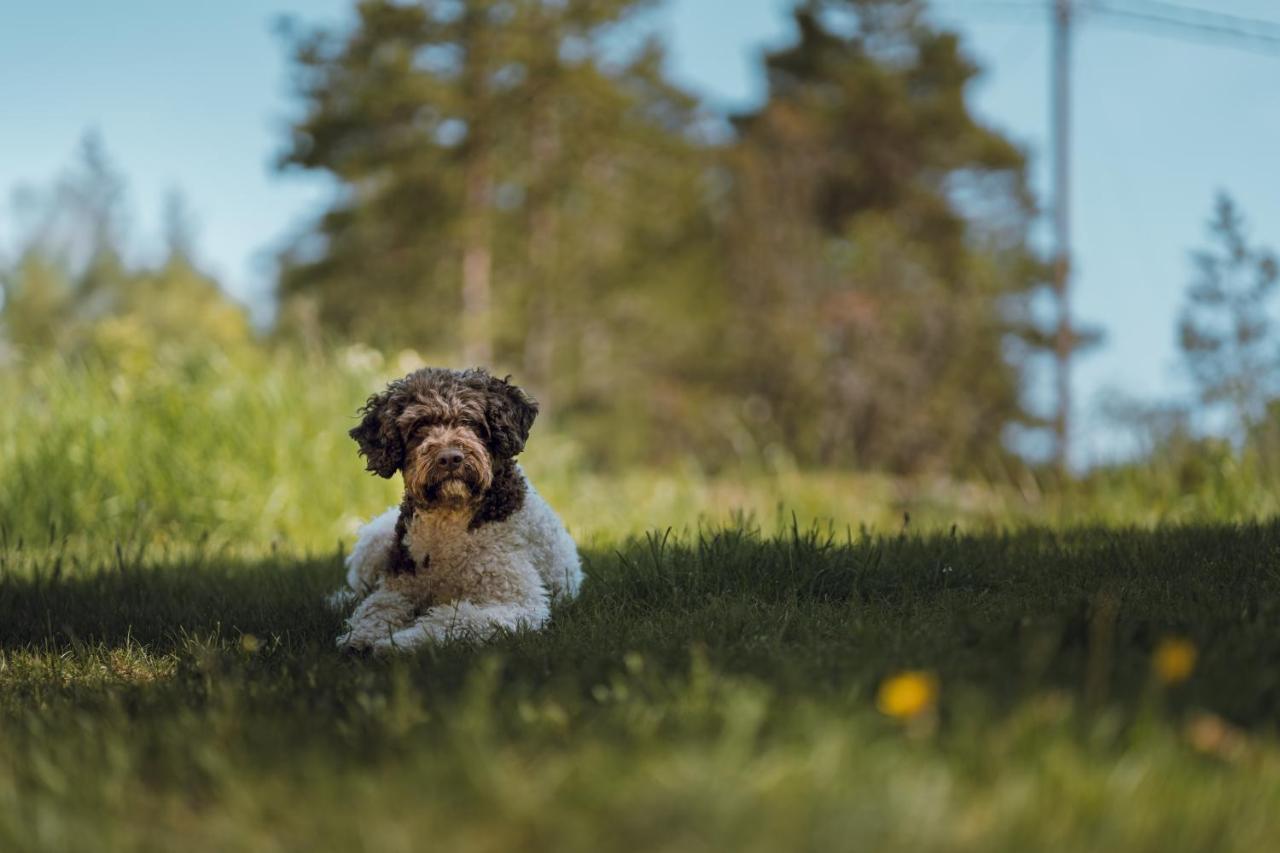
{"x":1179,"y":19}
{"x":1064,"y":335}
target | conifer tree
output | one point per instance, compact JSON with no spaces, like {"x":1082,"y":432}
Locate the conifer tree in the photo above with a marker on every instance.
{"x":1227,"y":327}
{"x":884,"y":267}
{"x":474,"y":144}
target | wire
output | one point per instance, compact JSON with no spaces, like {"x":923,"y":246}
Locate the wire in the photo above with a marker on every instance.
{"x":1156,"y":16}
{"x":1254,"y":33}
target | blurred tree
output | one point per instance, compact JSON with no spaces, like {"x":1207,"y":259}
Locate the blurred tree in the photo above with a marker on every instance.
{"x":1226,"y":330}
{"x":68,"y":268}
{"x":38,"y":300}
{"x":848,"y":282}
{"x":517,"y":188}
{"x":71,"y":288}
{"x":882,"y":270}
{"x":173,"y":302}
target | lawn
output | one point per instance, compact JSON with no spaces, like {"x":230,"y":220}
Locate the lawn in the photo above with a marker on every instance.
{"x":760,"y":659}
{"x":708,"y":691}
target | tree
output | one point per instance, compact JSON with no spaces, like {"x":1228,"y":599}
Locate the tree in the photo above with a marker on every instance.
{"x":445,"y":124}
{"x":881,"y":261}
{"x":848,"y":280}
{"x":73,"y":289}
{"x":517,"y":190}
{"x":69,"y":267}
{"x":1226,"y":331}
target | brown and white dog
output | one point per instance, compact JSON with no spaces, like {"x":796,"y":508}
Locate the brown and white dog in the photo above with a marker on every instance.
{"x":472,"y":549}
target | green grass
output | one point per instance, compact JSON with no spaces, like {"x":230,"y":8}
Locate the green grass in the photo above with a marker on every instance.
{"x":704,"y":694}
{"x":248,"y":454}
{"x":168,"y":679}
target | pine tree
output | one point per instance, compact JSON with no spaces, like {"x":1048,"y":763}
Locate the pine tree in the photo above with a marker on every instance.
{"x":452,"y":129}
{"x":1227,"y":329}
{"x":883,"y":264}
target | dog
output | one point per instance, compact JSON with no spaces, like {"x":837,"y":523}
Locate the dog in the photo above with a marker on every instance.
{"x":473,"y":550}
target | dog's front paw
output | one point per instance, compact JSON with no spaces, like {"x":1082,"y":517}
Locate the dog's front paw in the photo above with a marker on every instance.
{"x":384,"y":647}
{"x":405,"y":640}
{"x":341,"y":599}
{"x":353,"y":642}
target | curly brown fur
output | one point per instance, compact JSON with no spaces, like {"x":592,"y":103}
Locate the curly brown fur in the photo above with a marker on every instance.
{"x":420,"y":420}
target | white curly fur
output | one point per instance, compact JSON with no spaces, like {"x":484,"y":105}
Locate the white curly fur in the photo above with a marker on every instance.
{"x":500,"y":576}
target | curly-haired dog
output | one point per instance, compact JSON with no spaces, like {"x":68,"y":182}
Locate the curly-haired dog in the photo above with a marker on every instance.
{"x":472,"y":549}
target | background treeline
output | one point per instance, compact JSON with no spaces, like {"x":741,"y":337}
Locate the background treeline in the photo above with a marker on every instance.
{"x":843,"y":278}
{"x":71,"y":286}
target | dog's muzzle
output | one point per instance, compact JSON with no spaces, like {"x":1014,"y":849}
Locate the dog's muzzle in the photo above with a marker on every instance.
{"x":445,"y":475}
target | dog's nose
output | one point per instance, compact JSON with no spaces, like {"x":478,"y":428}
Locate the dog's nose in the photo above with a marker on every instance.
{"x":450,"y":457}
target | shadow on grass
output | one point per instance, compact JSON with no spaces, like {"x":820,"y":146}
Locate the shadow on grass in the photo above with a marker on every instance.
{"x":805,"y":611}
{"x":162,"y":605}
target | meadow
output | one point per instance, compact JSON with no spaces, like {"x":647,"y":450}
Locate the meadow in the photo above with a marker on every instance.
{"x":760,"y":660}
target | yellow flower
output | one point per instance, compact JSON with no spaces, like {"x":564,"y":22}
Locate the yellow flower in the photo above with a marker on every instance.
{"x":1174,"y":660}
{"x":249,"y":643}
{"x":907,"y":694}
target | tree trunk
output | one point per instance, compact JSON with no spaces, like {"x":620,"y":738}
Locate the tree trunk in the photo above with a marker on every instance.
{"x":477,"y":266}
{"x":540,"y":336}
{"x":477,"y":248}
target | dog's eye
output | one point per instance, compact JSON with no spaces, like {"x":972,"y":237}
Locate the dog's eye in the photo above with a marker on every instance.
{"x":419,"y":429}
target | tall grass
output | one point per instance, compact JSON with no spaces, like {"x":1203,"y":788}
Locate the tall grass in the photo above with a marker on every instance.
{"x":251,"y":453}
{"x":254,"y":452}
{"x":244,"y":451}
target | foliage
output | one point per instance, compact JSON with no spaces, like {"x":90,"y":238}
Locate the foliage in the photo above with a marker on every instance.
{"x":512,"y":193}
{"x":1227,"y":327}
{"x":843,"y":283}
{"x":1228,"y":434}
{"x":73,"y":290}
{"x":884,"y":263}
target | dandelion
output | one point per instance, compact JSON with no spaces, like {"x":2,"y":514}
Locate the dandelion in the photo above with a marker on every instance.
{"x":907,"y":695}
{"x":1174,"y":660}
{"x":249,"y":644}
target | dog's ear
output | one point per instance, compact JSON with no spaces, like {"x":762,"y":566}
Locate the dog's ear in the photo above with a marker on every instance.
{"x":510,"y":413}
{"x":378,"y":434}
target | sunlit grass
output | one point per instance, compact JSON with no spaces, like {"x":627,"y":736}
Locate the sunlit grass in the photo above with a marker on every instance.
{"x":250,"y":455}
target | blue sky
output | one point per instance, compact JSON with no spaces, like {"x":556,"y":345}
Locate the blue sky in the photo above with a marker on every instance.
{"x":194,"y":96}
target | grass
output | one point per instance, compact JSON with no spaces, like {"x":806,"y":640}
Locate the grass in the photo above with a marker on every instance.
{"x":716,"y":693}
{"x":249,"y":454}
{"x":168,"y":677}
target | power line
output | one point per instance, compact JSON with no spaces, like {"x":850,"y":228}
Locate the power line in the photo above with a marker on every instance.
{"x":1153,"y":16}
{"x":1254,"y":33}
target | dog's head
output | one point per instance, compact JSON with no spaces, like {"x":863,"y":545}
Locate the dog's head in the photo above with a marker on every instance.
{"x":447,"y":431}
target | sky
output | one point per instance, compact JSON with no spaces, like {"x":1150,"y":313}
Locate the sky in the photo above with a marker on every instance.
{"x":195,"y":97}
